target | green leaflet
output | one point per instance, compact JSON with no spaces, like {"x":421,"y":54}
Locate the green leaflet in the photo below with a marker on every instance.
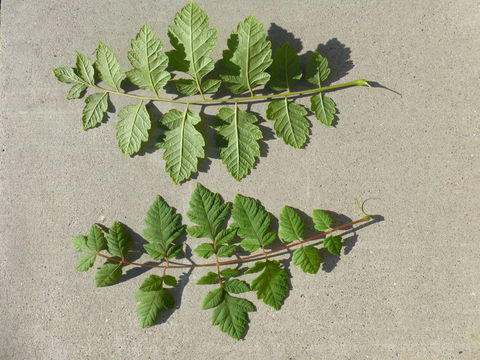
{"x":240,"y":135}
{"x":183,"y":144}
{"x":213,"y":298}
{"x":231,"y":315}
{"x":285,"y":70}
{"x":236,"y":286}
{"x":209,"y":279}
{"x":152,"y":300}
{"x":228,"y":273}
{"x":317,"y":72}
{"x":67,"y":75}
{"x":163,"y":228}
{"x":290,"y":121}
{"x":317,"y":69}
{"x":132,"y":130}
{"x":79,"y":243}
{"x":324,"y":108}
{"x":208,"y":211}
{"x":96,"y":240}
{"x":86,"y":261}
{"x":108,"y":66}
{"x":308,"y":258}
{"x":272,"y":284}
{"x":85,"y":69}
{"x":108,"y":274}
{"x":248,"y":56}
{"x":96,"y":106}
{"x":226,"y":250}
{"x":149,"y":61}
{"x":193,"y":43}
{"x":119,"y":240}
{"x":76,"y":91}
{"x":321,"y":220}
{"x":225,"y":236}
{"x":333,"y":244}
{"x":252,"y":222}
{"x":291,"y":225}
{"x":204,"y":250}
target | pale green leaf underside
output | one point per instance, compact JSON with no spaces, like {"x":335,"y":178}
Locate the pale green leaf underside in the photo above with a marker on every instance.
{"x":248,"y":57}
{"x":291,"y":225}
{"x":241,"y":136}
{"x":67,"y":75}
{"x":285,"y":70}
{"x":272,"y":284}
{"x":321,"y":220}
{"x":290,"y":122}
{"x":149,"y":61}
{"x":317,"y":69}
{"x":96,"y":106}
{"x":132,"y":130}
{"x":308,"y":258}
{"x":108,"y":274}
{"x":119,"y":240}
{"x":183,"y":144}
{"x":193,"y":43}
{"x":108,"y":66}
{"x":152,"y":300}
{"x":324,"y":108}
{"x":76,"y":91}
{"x":231,"y":315}
{"x":163,"y":227}
{"x":79,"y":243}
{"x":85,"y":69}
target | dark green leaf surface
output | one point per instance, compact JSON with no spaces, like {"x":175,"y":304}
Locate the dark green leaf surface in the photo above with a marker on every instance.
{"x":204,"y":250}
{"x":119,"y":240}
{"x":308,"y":258}
{"x":236,"y":286}
{"x":272,"y":284}
{"x":317,"y":69}
{"x":96,"y":239}
{"x":152,"y":300}
{"x":209,"y":279}
{"x":108,"y":274}
{"x":291,"y":225}
{"x":333,"y":244}
{"x":231,"y":315}
{"x":213,"y":298}
{"x":86,"y":261}
{"x":229,"y":273}
{"x":290,"y":122}
{"x":285,"y":70}
{"x":321,"y":220}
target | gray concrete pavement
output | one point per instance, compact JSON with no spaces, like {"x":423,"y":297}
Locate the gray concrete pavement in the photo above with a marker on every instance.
{"x":407,"y":289}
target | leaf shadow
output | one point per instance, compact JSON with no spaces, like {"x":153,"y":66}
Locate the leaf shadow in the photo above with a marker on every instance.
{"x":339,"y":58}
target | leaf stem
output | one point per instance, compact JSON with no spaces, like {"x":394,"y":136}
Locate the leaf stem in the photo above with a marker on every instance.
{"x":359,"y":82}
{"x":264,"y":254}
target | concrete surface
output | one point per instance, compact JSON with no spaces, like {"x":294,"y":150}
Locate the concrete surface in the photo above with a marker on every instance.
{"x":407,"y":289}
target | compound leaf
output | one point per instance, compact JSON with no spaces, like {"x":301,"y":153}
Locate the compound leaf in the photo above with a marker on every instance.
{"x":119,"y":240}
{"x":252,"y":222}
{"x":208,"y":211}
{"x":86,"y":261}
{"x":291,"y":225}
{"x":85,"y":69}
{"x":108,"y":66}
{"x":96,"y":106}
{"x":317,"y":69}
{"x":248,"y":56}
{"x":163,"y":228}
{"x":285,"y":70}
{"x":272,"y":284}
{"x":193,"y":43}
{"x":240,"y":135}
{"x":108,"y":274}
{"x":183,"y":144}
{"x":308,"y":258}
{"x":96,"y":239}
{"x":333,"y":244}
{"x":232,"y":316}
{"x":132,"y":130}
{"x":321,"y":220}
{"x":148,"y":60}
{"x":290,"y":122}
{"x":209,"y":279}
{"x":152,"y":300}
{"x":324,"y":108}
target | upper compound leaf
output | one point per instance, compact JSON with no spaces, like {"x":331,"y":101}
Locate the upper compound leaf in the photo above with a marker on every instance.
{"x":108,"y":274}
{"x":333,"y":244}
{"x":208,"y":211}
{"x":232,"y":315}
{"x":96,"y":239}
{"x":324,"y":108}
{"x":241,"y":136}
{"x":163,"y":228}
{"x":152,"y":300}
{"x":285,"y":70}
{"x":272,"y":284}
{"x":149,"y":61}
{"x":132,"y":130}
{"x":183,"y":144}
{"x":193,"y":42}
{"x":119,"y":240}
{"x":291,"y":225}
{"x":308,"y":258}
{"x":249,"y":54}
{"x":290,"y":121}
{"x":108,"y":66}
{"x":252,"y":221}
{"x":317,"y":69}
{"x":321,"y":220}
{"x":85,"y":69}
{"x":96,"y":106}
